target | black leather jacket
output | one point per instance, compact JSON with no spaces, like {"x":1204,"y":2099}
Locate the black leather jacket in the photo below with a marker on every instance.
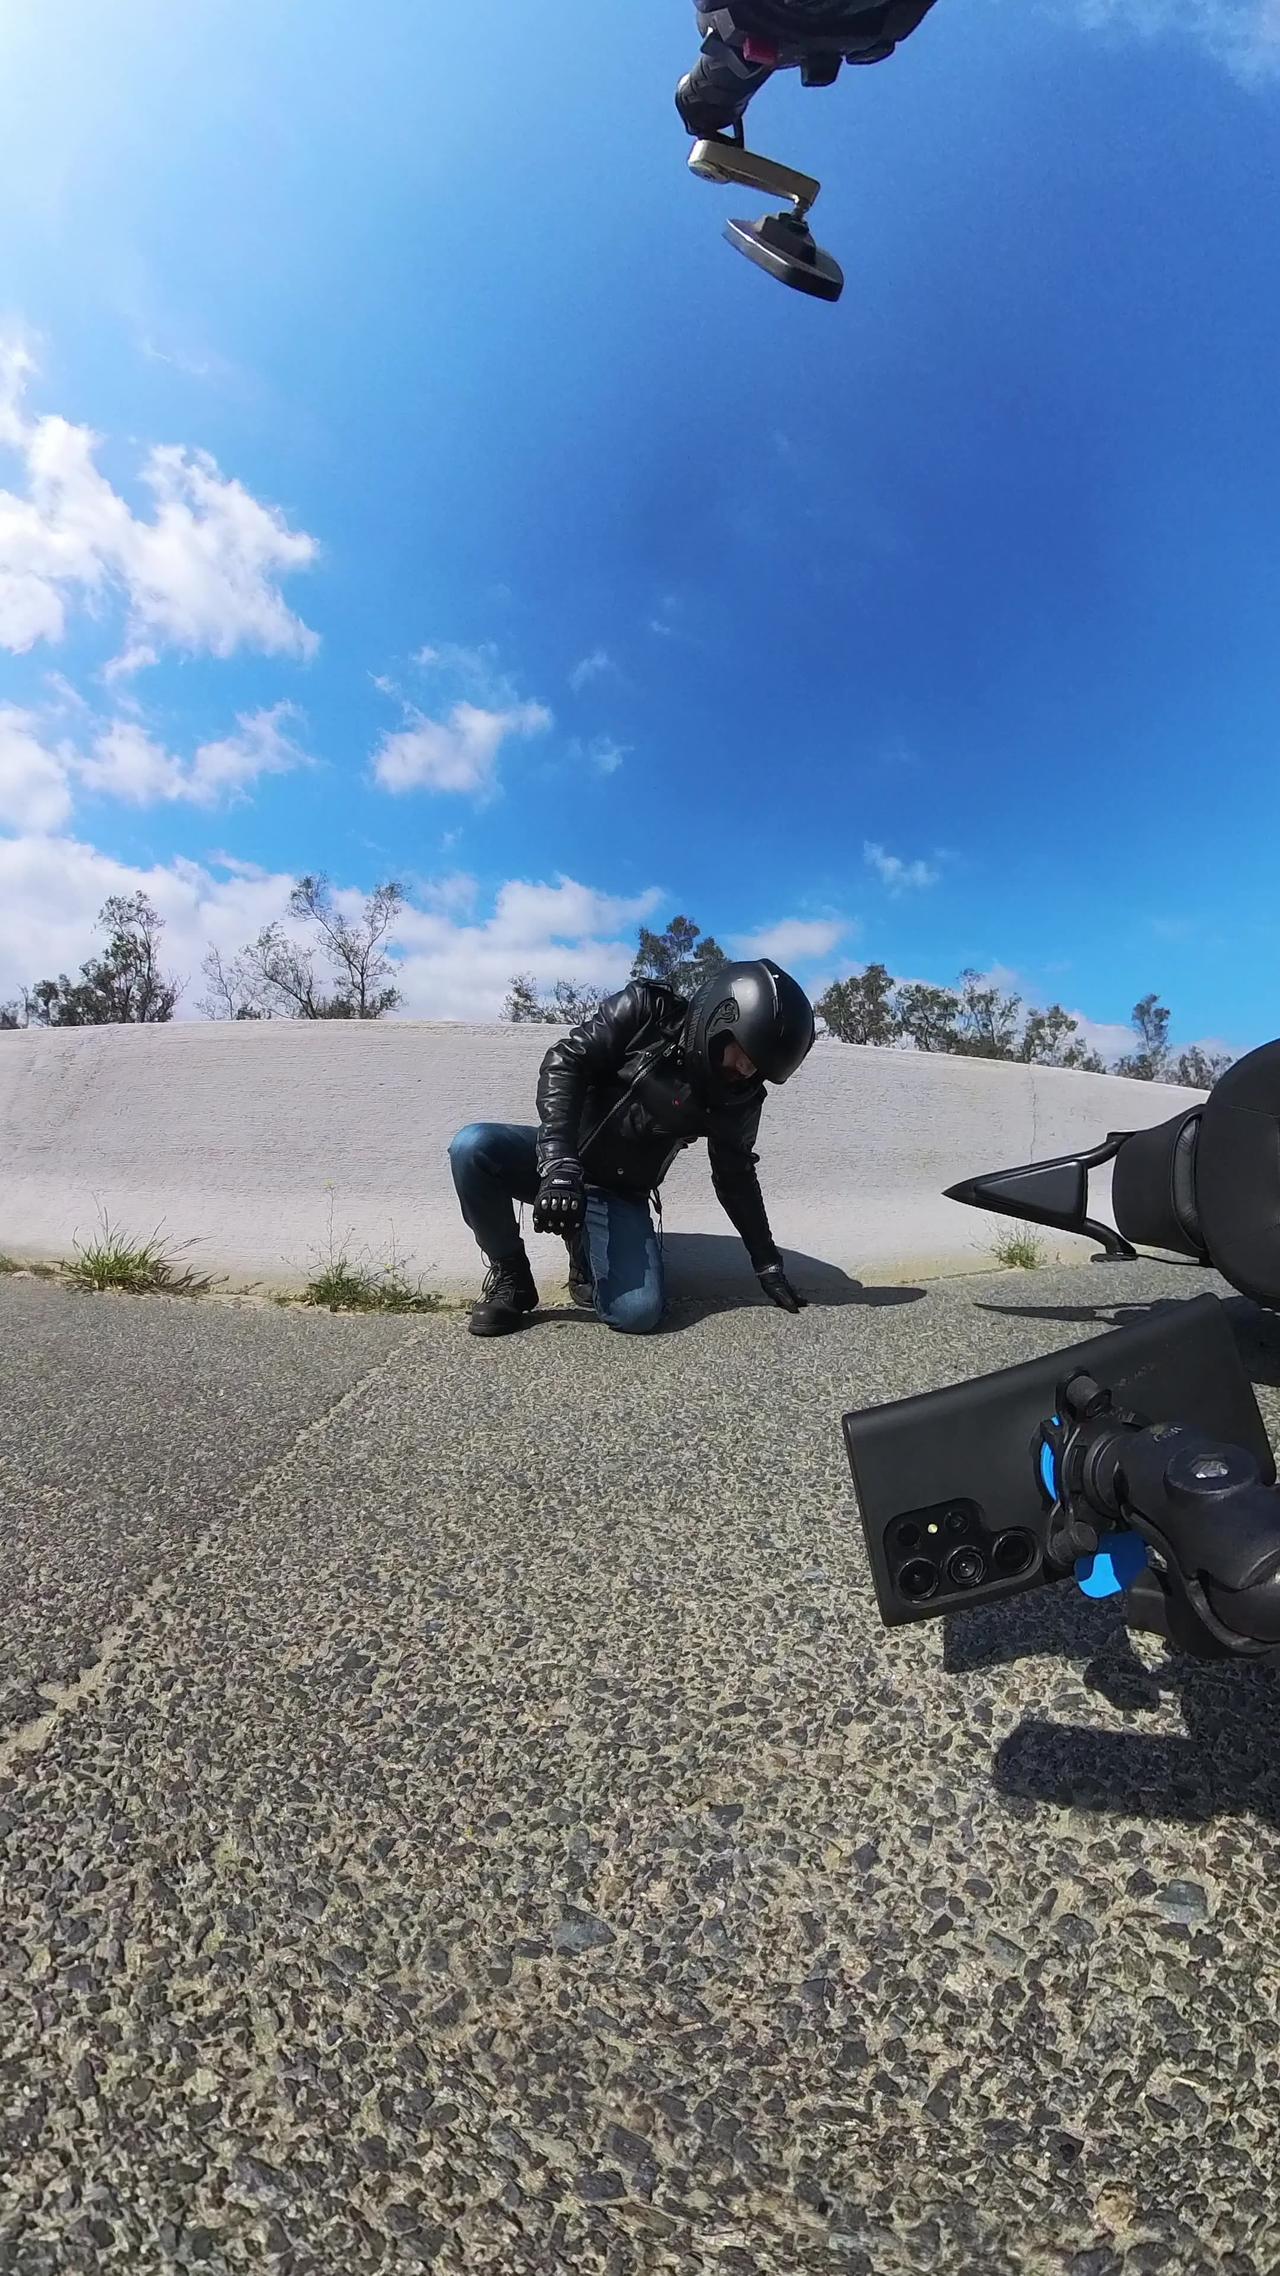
{"x":614,"y":1094}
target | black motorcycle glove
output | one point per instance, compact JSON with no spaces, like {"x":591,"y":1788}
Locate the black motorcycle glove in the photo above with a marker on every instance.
{"x":773,"y":1279}
{"x":713,"y":97}
{"x":561,"y":1205}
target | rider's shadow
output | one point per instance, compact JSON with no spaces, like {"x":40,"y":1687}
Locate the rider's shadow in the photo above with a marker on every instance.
{"x":707,"y":1273}
{"x":711,"y":1272}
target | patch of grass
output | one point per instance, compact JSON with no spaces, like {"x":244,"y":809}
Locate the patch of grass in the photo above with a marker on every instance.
{"x":114,"y":1260}
{"x":1019,"y":1251}
{"x":347,"y":1287}
{"x":343,"y":1283}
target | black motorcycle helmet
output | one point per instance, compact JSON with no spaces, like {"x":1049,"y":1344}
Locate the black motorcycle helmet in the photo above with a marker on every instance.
{"x":757,"y":1006}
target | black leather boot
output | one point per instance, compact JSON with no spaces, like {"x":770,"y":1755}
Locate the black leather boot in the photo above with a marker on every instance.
{"x":507,"y":1296}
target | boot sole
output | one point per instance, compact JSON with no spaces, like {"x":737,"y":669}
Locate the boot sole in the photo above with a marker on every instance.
{"x":504,"y":1324}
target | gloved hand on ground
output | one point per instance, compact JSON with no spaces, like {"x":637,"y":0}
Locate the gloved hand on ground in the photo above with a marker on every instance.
{"x":779,"y":1290}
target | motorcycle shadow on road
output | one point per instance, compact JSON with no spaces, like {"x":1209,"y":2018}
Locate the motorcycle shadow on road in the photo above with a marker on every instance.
{"x":1256,"y":1330}
{"x":1225,"y":1766}
{"x":1225,"y":1762}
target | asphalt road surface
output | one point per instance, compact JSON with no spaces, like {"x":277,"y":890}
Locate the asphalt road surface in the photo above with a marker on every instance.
{"x":459,"y":1811}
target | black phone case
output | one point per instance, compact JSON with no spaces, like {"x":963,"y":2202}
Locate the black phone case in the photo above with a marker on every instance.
{"x":959,"y":1465}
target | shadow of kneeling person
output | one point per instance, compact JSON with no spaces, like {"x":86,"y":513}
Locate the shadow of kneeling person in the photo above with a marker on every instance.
{"x":711,"y":1272}
{"x":707,"y":1273}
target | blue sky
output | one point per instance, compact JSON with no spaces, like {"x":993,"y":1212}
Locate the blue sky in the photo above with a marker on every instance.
{"x":462,"y":509}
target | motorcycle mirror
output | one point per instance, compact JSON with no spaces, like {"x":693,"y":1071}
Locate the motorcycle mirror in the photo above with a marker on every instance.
{"x":1204,"y":1184}
{"x":782,"y":244}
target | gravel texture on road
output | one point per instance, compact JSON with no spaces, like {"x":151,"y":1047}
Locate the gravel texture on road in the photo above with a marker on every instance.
{"x":459,"y":1811}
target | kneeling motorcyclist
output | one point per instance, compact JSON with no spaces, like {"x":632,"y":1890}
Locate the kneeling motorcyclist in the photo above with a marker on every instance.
{"x":618,"y":1098}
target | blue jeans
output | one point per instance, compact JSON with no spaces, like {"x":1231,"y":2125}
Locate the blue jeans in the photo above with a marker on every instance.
{"x":495,"y":1164}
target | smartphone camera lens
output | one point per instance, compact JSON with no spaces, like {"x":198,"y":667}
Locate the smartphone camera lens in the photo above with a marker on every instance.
{"x":1013,"y":1553}
{"x":957,"y":1520}
{"x":966,"y":1567}
{"x":918,"y":1579}
{"x":908,"y":1535}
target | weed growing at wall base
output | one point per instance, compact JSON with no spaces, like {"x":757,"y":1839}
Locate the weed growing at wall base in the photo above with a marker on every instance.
{"x":1019,"y":1251}
{"x":347,"y":1287}
{"x":342,"y":1283}
{"x":114,"y":1260}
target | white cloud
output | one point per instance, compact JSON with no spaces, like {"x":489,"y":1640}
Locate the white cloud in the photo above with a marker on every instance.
{"x":237,"y":867}
{"x":194,"y":363}
{"x":454,"y":656}
{"x":670,"y":618}
{"x":202,"y":574}
{"x":30,"y":608}
{"x":35,"y":793}
{"x":51,"y":889}
{"x":135,"y":656}
{"x":560,"y":931}
{"x":602,"y":753}
{"x":475,"y":671}
{"x":453,"y":896}
{"x":897,"y":874}
{"x":1242,"y":34}
{"x":795,"y":941}
{"x":262,"y":744}
{"x":126,"y":763}
{"x":591,"y":668}
{"x":63,"y":701}
{"x":534,"y":915}
{"x":459,"y":753}
{"x":1108,"y":1038}
{"x":38,"y":779}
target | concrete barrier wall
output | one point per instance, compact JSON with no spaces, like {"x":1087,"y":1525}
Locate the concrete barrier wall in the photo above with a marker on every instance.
{"x":262,"y":1143}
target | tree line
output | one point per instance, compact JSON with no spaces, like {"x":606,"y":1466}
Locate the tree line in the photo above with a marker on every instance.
{"x":978,"y":1020}
{"x":974,"y":1020}
{"x":343,"y":971}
